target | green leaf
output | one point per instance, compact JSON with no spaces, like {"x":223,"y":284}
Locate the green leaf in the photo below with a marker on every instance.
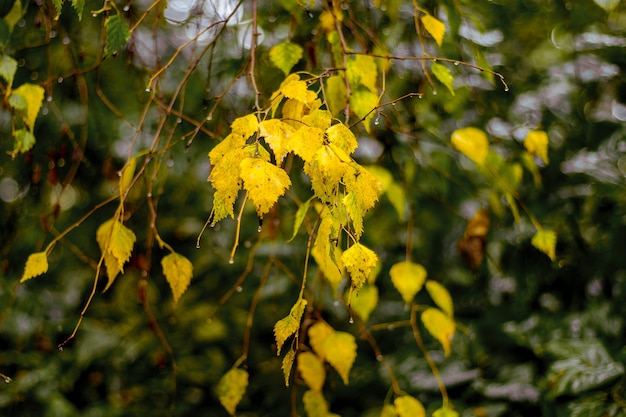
{"x":287,"y":365}
{"x":285,"y":55}
{"x":117,"y":34}
{"x":435,"y":27}
{"x":545,"y":241}
{"x":36,"y":264}
{"x":231,"y":389}
{"x":300,"y":216}
{"x":311,"y":369}
{"x":24,"y":141}
{"x":407,"y":406}
{"x":58,"y":6}
{"x":15,"y":14}
{"x":8,"y":66}
{"x":79,"y":5}
{"x":178,"y":272}
{"x":363,"y":103}
{"x":362,"y":70}
{"x":408,"y":278}
{"x":442,"y":73}
{"x":287,"y":326}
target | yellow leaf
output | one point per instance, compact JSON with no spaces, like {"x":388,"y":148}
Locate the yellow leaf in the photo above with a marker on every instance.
{"x":32,"y":95}
{"x":340,"y":352}
{"x":265,"y":183}
{"x":306,"y":142}
{"x":397,"y":197}
{"x":278,"y":135}
{"x":472,"y":142}
{"x":388,"y":411}
{"x":230,"y":142}
{"x":318,"y":118}
{"x":363,"y":103}
{"x":362,"y":191}
{"x":298,"y":90}
{"x":407,"y":406}
{"x":225,"y":178}
{"x":336,"y":94}
{"x":325,"y":253}
{"x":342,"y":137}
{"x":116,"y":242}
{"x":545,"y":241}
{"x":440,"y":296}
{"x":365,"y":302}
{"x":128,"y":172}
{"x":440,"y":326}
{"x":311,"y":370}
{"x":536,"y":143}
{"x":245,"y":126}
{"x":315,"y":404}
{"x":325,"y":171}
{"x":435,"y":27}
{"x":287,"y":326}
{"x":288,"y":364}
{"x":299,"y":217}
{"x":408,"y":278}
{"x":361,"y":69}
{"x":285,"y":55}
{"x":36,"y":264}
{"x":178,"y":271}
{"x":359,"y":261}
{"x":318,"y":333}
{"x":231,"y":389}
{"x":446,"y":412}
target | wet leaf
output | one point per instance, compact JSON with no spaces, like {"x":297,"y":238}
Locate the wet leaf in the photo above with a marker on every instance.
{"x":117,"y":34}
{"x":287,"y":326}
{"x":434,"y":27}
{"x":265,"y":183}
{"x":443,"y":74}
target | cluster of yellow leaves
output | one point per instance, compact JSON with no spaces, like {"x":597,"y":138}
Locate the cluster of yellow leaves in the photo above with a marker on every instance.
{"x":505,"y":177}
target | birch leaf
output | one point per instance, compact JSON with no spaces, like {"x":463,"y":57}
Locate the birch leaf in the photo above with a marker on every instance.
{"x":440,"y":296}
{"x":24,"y":141}
{"x":315,"y":404}
{"x":545,"y":241}
{"x":536,"y":143}
{"x":365,"y":301}
{"x":287,"y":326}
{"x":265,"y":183}
{"x":442,"y":73}
{"x":340,"y":352}
{"x":363,"y":103}
{"x":178,"y":272}
{"x":225,"y":178}
{"x":440,"y":326}
{"x":311,"y":370}
{"x":231,"y":389}
{"x":359,"y":261}
{"x":472,"y":142}
{"x":298,"y":90}
{"x":306,"y":142}
{"x":288,"y":364}
{"x":318,"y":333}
{"x":336,"y":94}
{"x":299,"y":218}
{"x":8,"y":67}
{"x":278,"y":135}
{"x":285,"y":55}
{"x":36,"y":264}
{"x":28,"y":99}
{"x":408,"y":278}
{"x":117,"y":34}
{"x":128,"y":172}
{"x":434,"y":27}
{"x":244,"y":126}
{"x":445,"y":412}
{"x":361,"y":69}
{"x":407,"y":406}
{"x":342,"y":137}
{"x":116,"y":242}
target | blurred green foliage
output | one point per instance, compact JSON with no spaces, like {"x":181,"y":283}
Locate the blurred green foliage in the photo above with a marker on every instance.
{"x":538,"y":337}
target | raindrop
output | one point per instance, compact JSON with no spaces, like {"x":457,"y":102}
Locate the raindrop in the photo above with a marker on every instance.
{"x":7,"y":379}
{"x":506,"y":88}
{"x":239,"y":289}
{"x":209,"y":117}
{"x":393,"y":104}
{"x":456,"y":63}
{"x":259,"y":229}
{"x":391,"y":327}
{"x":60,"y":348}
{"x":66,"y":41}
{"x":197,"y":246}
{"x":170,"y":163}
{"x":53,"y":34}
{"x":147,"y":89}
{"x":376,"y":122}
{"x":231,"y":261}
{"x":379,"y":358}
{"x":60,"y":80}
{"x":434,"y":59}
{"x":126,"y":8}
{"x":179,"y":120}
{"x":49,"y":98}
{"x":434,"y":92}
{"x":351,"y":321}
